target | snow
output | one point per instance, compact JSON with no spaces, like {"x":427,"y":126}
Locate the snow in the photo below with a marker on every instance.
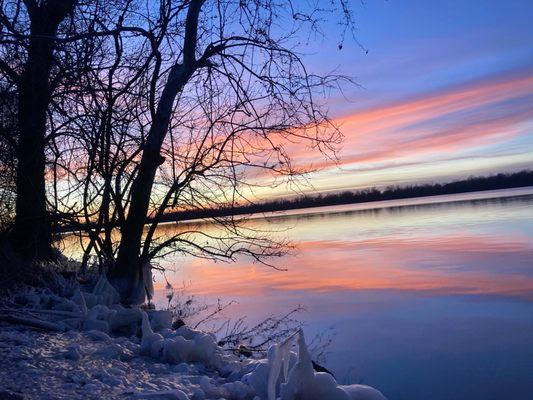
{"x":103,"y":350}
{"x":80,"y":365}
{"x":104,"y":292}
{"x":304,"y":383}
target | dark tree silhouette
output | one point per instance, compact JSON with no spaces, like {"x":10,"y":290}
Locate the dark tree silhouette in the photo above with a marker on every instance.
{"x":187,"y":104}
{"x":127,"y":110}
{"x":28,"y":38}
{"x":8,"y":123}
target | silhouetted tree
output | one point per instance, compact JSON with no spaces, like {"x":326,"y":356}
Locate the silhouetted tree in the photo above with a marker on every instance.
{"x":189,"y":104}
{"x":28,"y":36}
{"x":7,"y":157}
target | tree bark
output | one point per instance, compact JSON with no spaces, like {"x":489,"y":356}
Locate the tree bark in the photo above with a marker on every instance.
{"x":32,"y":233}
{"x":127,"y":272}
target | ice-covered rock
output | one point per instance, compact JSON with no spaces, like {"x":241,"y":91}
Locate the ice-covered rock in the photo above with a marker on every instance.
{"x":105,"y":293}
{"x":160,"y":319}
{"x":194,"y":346}
{"x":125,"y":320}
{"x":151,"y":343}
{"x":363,"y":392}
{"x":203,"y":349}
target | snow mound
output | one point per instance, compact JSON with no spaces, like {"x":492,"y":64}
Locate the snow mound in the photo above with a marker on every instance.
{"x":297,"y":380}
{"x":84,"y":357}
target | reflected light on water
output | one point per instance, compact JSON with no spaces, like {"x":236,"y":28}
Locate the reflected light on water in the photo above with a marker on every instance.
{"x":428,"y":300}
{"x":444,"y":248}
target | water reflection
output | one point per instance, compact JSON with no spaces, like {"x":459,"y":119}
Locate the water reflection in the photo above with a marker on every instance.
{"x":475,"y":247}
{"x":428,"y":300}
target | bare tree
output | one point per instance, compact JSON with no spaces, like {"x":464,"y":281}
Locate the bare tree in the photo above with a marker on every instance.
{"x":7,"y":157}
{"x":141,"y":108}
{"x":28,"y":37}
{"x":189,"y":104}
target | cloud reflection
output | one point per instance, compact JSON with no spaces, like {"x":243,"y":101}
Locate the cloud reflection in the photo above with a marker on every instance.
{"x":411,"y":249}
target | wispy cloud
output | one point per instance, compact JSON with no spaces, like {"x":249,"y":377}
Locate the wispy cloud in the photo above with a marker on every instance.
{"x":455,"y":128}
{"x":445,"y":121}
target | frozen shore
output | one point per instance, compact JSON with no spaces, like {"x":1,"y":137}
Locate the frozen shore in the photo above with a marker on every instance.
{"x":88,"y":346}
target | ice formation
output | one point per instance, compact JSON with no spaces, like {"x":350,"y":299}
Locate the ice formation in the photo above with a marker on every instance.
{"x":148,"y":280}
{"x":188,"y":364}
{"x":278,"y":359}
{"x":104,"y":292}
{"x":151,"y":343}
{"x":304,"y":383}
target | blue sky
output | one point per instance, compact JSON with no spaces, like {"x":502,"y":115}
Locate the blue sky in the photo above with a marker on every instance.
{"x":468,"y":64}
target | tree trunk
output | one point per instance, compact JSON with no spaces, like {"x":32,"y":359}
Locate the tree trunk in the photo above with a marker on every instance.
{"x":32,"y":233}
{"x":127,"y":272}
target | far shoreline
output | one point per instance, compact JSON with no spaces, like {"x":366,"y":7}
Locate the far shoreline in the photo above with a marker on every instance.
{"x":473,"y":188}
{"x":451,"y":198}
{"x":494,"y":183}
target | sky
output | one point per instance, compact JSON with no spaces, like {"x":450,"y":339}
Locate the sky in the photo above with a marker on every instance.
{"x":444,"y":91}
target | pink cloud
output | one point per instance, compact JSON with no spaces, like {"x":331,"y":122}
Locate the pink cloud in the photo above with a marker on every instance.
{"x":466,"y":116}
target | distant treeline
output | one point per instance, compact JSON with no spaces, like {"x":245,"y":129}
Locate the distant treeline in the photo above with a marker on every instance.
{"x":472,"y":184}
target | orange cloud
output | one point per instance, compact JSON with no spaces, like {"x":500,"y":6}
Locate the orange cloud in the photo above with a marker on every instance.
{"x":474,"y":114}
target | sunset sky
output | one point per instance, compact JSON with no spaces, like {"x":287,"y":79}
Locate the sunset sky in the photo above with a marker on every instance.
{"x":446,"y":91}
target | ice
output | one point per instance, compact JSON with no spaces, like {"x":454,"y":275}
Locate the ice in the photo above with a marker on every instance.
{"x":175,"y":349}
{"x":98,"y":335}
{"x":148,"y":281}
{"x":363,"y":392}
{"x":90,"y":360}
{"x":160,"y":320}
{"x":79,"y":299}
{"x":305,"y":383}
{"x":151,"y":343}
{"x":125,"y":320}
{"x":105,"y":292}
{"x":175,"y":394}
{"x":91,"y":322}
{"x":278,"y":359}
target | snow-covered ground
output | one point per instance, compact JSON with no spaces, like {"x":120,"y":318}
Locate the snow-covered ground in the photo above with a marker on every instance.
{"x":89,"y":365}
{"x":94,"y":348}
{"x":94,"y":365}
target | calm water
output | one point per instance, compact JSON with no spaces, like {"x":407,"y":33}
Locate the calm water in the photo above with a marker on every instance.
{"x":427,"y":301}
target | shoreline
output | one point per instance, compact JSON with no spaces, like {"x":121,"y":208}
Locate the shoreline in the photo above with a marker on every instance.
{"x":384,"y":204}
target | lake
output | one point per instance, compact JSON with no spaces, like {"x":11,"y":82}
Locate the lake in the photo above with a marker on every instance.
{"x":428,"y":298}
